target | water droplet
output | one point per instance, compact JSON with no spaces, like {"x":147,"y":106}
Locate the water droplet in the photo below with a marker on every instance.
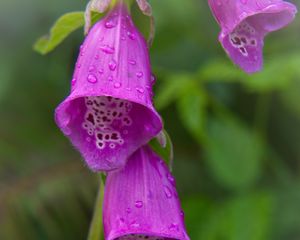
{"x":107,"y":49}
{"x":97,"y":56}
{"x":171,"y":179}
{"x":101,"y":71}
{"x":78,"y":65}
{"x":132,"y":62}
{"x":117,"y":85}
{"x":92,"y":68}
{"x":128,"y":210}
{"x":92,"y":78}
{"x":168,"y":192}
{"x":139,"y":74}
{"x":140,"y":89}
{"x":153,"y":78}
{"x":174,"y":227}
{"x":73,"y":82}
{"x":138,"y":204}
{"x":110,"y":78}
{"x":112,"y":65}
{"x":131,"y":35}
{"x":110,"y":24}
{"x":134,"y":225}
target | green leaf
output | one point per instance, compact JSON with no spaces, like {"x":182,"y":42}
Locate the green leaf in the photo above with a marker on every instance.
{"x":165,"y":151}
{"x":63,"y":27}
{"x":171,"y":89}
{"x":220,"y":70}
{"x":277,"y":74}
{"x":234,"y":153}
{"x":192,"y":111}
{"x":248,"y":217}
{"x":95,"y":232}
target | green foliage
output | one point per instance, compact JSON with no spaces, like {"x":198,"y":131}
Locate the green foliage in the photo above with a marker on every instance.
{"x":61,"y":29}
{"x":163,"y":146}
{"x":247,"y":217}
{"x":234,"y":153}
{"x":192,"y":110}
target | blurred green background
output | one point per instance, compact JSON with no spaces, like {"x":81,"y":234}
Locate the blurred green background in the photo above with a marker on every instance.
{"x":236,"y":137}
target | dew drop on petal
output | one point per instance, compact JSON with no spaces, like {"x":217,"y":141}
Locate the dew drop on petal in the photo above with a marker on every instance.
{"x":112,"y":65}
{"x":73,"y":82}
{"x":92,"y":78}
{"x":110,"y":24}
{"x":131,"y":35}
{"x":138,"y":204}
{"x":132,"y":62}
{"x":168,"y":192}
{"x":92,"y":68}
{"x":139,"y":74}
{"x":140,"y":89}
{"x":107,"y":49}
{"x":117,"y":85}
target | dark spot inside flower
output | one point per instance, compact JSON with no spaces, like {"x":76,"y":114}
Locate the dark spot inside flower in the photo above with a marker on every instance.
{"x":90,"y":118}
{"x":236,"y":41}
{"x":114,"y":114}
{"x":105,"y":119}
{"x":107,"y":137}
{"x":244,"y":40}
{"x":121,"y":104}
{"x":243,"y":50}
{"x":114,"y":136}
{"x":100,"y":136}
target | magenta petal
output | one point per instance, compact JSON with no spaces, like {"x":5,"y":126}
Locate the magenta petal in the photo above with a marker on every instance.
{"x":141,"y":202}
{"x":109,"y":113}
{"x":244,"y":25}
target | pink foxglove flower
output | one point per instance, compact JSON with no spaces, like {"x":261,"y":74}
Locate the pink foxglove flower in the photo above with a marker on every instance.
{"x":141,"y":202}
{"x":245,"y":23}
{"x":109,"y":113}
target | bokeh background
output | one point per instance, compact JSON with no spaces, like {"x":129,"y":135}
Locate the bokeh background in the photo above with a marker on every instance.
{"x":236,"y":137}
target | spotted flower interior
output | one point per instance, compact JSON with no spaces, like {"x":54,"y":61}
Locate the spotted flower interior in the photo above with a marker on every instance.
{"x":107,"y":121}
{"x":245,"y":43}
{"x":106,"y":128}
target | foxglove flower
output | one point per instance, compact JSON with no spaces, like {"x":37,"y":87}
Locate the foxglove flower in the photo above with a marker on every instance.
{"x":244,"y":25}
{"x":109,"y":113}
{"x":141,"y":202}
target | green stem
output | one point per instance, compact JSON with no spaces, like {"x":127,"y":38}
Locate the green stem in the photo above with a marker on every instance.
{"x":96,"y":229}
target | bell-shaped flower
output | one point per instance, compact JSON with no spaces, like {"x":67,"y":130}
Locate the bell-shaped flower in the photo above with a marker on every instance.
{"x":109,"y":113}
{"x":245,"y":23}
{"x":141,"y":202}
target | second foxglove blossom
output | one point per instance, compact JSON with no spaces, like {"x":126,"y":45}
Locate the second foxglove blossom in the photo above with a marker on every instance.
{"x":109,"y":113}
{"x":141,"y":202}
{"x":245,"y":23}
